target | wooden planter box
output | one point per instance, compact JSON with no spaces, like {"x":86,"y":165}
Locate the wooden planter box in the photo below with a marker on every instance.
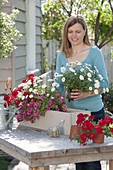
{"x":53,"y":118}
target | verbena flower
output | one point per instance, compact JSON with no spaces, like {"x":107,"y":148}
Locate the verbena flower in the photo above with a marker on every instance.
{"x":33,"y":98}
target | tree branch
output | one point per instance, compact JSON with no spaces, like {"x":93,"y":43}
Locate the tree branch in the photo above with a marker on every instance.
{"x":108,"y":33}
{"x":97,"y":25}
{"x":71,"y":5}
{"x":68,"y":12}
{"x":100,"y":46}
{"x":97,"y":28}
{"x":111,"y":7}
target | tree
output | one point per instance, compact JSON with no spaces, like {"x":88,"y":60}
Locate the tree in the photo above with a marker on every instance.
{"x":98,"y":15}
{"x":8,"y":32}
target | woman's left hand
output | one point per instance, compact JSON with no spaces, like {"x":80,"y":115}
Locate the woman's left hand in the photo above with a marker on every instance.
{"x":77,"y":95}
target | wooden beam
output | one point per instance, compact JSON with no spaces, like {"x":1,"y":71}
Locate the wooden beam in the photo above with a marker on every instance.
{"x":39,"y":168}
{"x":110,"y":164}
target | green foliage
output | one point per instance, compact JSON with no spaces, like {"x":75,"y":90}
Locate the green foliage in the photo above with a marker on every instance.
{"x":108,"y":98}
{"x":98,"y":14}
{"x":8,"y":33}
{"x":3,"y":1}
{"x":45,"y":64}
{"x":4,"y":163}
{"x":51,"y":28}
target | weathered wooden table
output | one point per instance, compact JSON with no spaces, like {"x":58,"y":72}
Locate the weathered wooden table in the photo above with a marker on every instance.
{"x":39,"y":150}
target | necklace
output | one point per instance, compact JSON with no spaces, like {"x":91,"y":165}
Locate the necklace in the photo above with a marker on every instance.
{"x":74,"y":63}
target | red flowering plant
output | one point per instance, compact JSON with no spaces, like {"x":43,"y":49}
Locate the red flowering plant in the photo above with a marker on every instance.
{"x":88,"y":128}
{"x":33,"y":98}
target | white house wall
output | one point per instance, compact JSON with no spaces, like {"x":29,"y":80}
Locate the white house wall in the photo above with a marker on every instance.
{"x":38,"y":37}
{"x":17,"y":65}
{"x":5,"y":64}
{"x":19,"y":55}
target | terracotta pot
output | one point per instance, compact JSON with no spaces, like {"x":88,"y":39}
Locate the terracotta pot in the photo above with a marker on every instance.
{"x":99,"y":138}
{"x":74,"y":132}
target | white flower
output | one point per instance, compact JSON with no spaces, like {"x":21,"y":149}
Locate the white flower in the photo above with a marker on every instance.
{"x":29,"y":82}
{"x":89,"y":74}
{"x":50,"y":80}
{"x":20,"y":94}
{"x":81,"y":77}
{"x":31,"y":89}
{"x":48,"y":95}
{"x":75,"y":73}
{"x":107,"y":90}
{"x":63,"y":69}
{"x":67,"y":64}
{"x":63,"y":79}
{"x":56,"y":74}
{"x":39,"y":81}
{"x":96,"y":81}
{"x":35,"y":84}
{"x":82,"y":69}
{"x":104,"y":90}
{"x":31,"y":96}
{"x":96,"y":69}
{"x":90,"y":88}
{"x":96,"y":91}
{"x":26,"y":96}
{"x":23,"y":97}
{"x":35,"y":91}
{"x":26,"y":86}
{"x":21,"y":85}
{"x":54,"y":84}
{"x":72,"y":70}
{"x":97,"y":84}
{"x":89,"y":79}
{"x":35,"y":79}
{"x":53,"y":89}
{"x":44,"y":86}
{"x":100,"y":76}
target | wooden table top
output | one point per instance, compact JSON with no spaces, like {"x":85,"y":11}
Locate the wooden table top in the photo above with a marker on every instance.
{"x":39,"y":149}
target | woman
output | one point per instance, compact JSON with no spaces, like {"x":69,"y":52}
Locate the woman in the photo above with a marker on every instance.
{"x":77,"y":48}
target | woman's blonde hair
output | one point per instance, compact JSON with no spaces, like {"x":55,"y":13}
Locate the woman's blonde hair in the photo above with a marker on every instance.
{"x":66,"y":45}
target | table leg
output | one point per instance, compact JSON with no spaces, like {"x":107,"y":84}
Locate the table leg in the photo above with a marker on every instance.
{"x":110,"y":164}
{"x":39,"y":168}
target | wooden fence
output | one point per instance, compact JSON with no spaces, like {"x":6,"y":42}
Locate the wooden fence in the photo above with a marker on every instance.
{"x":107,"y":52}
{"x":50,"y":48}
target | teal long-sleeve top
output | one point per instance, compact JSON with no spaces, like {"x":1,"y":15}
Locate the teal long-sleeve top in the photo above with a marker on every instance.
{"x":95,"y":58}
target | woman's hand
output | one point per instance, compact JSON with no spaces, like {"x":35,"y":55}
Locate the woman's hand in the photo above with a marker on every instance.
{"x":64,"y":107}
{"x":77,"y":94}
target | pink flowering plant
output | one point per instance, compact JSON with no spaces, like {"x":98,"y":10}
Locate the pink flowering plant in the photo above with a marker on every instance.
{"x":33,"y":98}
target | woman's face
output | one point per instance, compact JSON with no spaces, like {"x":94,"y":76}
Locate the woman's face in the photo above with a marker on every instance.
{"x":76,"y":34}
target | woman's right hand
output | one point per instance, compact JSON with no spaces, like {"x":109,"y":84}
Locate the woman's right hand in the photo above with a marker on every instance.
{"x":64,"y":107}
